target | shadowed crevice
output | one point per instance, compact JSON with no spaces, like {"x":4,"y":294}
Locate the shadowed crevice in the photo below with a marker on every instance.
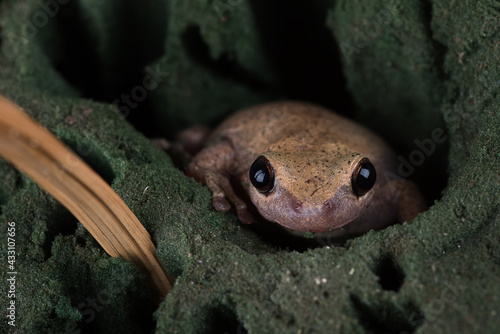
{"x":391,"y":276}
{"x":387,"y":318}
{"x":223,"y":66}
{"x":303,"y":52}
{"x":439,"y":49}
{"x":93,"y":156}
{"x":106,"y":62}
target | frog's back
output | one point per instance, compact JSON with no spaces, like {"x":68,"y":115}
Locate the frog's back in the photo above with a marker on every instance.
{"x":256,"y":128}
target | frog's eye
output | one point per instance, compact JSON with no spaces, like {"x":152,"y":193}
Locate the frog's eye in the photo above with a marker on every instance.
{"x":363,"y":177}
{"x":262,"y":175}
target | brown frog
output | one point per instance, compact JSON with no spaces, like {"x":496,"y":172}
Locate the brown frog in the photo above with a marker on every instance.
{"x":307,"y":169}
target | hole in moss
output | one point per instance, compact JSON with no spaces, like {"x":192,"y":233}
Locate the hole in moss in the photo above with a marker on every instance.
{"x":104,"y":52}
{"x":425,"y":162}
{"x":222,"y":319}
{"x":59,"y":222}
{"x":307,"y":60}
{"x":391,"y":277}
{"x":104,"y":313}
{"x":387,"y":318}
{"x":92,"y":155}
{"x":81,"y":241}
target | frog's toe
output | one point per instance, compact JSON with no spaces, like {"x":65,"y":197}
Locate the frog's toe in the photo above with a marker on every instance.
{"x":244,"y":216}
{"x":221,"y":204}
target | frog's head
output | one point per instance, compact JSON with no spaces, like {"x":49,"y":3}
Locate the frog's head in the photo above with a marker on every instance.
{"x":312,"y":191}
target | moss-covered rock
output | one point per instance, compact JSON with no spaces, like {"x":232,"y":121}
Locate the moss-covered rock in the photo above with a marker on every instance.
{"x":91,"y":71}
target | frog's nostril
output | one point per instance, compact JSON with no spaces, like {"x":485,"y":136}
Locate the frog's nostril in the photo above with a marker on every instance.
{"x":328,"y":205}
{"x":297,"y":206}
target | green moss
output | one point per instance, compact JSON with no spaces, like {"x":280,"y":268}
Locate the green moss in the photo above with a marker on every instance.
{"x":214,"y":64}
{"x":405,"y":68}
{"x":410,"y":68}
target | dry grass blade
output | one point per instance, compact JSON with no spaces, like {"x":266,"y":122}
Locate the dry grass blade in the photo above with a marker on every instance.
{"x":40,"y":155}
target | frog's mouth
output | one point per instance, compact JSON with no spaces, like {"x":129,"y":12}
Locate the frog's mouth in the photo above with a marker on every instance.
{"x":285,"y":209}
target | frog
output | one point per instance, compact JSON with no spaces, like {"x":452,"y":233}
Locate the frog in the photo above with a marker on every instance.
{"x":305,"y":168}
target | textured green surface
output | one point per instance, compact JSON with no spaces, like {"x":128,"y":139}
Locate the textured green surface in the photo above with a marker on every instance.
{"x":224,"y":61}
{"x":410,"y":67}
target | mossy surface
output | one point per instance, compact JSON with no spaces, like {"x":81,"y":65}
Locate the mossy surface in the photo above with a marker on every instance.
{"x":404,"y":68}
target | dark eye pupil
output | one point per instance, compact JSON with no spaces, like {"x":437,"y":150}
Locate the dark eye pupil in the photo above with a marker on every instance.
{"x":364,"y":177}
{"x":262,"y":175}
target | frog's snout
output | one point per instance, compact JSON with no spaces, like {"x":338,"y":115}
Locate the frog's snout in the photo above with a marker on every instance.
{"x":300,"y":215}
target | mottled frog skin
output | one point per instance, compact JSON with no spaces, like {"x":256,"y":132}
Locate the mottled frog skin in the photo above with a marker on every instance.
{"x":307,"y":169}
